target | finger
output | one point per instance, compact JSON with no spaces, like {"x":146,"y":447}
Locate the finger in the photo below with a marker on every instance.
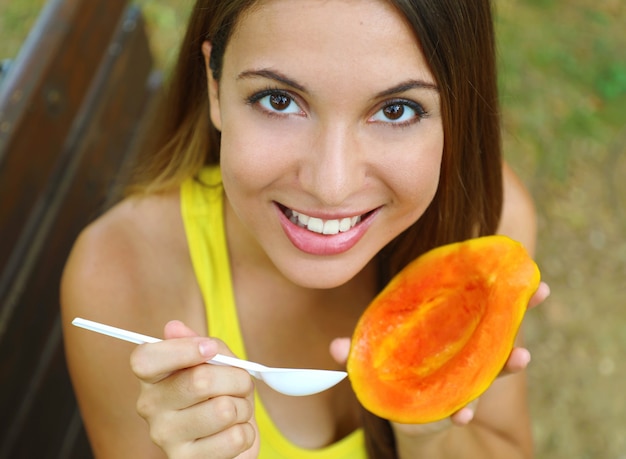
{"x":543,"y":292}
{"x":462,"y":417}
{"x":465,"y":415}
{"x":187,"y":388}
{"x":339,"y":349}
{"x":207,"y":381}
{"x":154,"y":362}
{"x":225,"y":412}
{"x":518,"y":360}
{"x":229,"y":443}
{"x":177,"y":329}
{"x":202,"y":420}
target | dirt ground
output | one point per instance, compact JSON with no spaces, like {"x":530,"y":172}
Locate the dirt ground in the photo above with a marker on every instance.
{"x":564,"y":91}
{"x":578,"y":337}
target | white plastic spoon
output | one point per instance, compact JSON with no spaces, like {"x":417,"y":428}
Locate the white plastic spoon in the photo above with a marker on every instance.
{"x":288,"y":381}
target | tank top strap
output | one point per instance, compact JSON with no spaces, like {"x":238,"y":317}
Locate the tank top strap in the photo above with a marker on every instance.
{"x":203,"y":216}
{"x":202,"y":208}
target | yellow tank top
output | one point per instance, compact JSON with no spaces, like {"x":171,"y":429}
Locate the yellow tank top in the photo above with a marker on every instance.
{"x":202,"y":213}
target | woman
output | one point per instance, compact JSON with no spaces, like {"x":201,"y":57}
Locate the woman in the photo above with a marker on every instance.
{"x":307,"y":151}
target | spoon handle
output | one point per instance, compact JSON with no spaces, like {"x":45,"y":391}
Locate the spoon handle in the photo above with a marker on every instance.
{"x":114,"y":332}
{"x":138,"y":338}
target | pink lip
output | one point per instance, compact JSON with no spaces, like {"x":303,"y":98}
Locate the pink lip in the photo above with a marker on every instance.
{"x":323,"y":244}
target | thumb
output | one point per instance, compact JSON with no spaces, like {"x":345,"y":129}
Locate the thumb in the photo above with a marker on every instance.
{"x":543,"y":292}
{"x":177,"y":329}
{"x":339,"y":349}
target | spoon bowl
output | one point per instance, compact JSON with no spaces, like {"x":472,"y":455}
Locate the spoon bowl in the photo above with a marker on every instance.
{"x":288,"y":381}
{"x":298,"y":382}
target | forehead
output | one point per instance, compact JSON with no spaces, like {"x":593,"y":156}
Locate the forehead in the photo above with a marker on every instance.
{"x":327,"y":35}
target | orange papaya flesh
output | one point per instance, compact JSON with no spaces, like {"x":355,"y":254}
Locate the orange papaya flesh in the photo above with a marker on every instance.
{"x":441,"y":331}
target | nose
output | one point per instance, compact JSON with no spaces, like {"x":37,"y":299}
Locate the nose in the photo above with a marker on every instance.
{"x":334,"y":167}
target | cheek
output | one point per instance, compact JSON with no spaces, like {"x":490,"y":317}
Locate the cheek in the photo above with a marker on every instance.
{"x":415,"y":176}
{"x":418,"y":195}
{"x":255,"y":155}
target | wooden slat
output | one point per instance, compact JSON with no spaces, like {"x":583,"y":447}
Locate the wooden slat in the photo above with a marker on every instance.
{"x":103,"y":136}
{"x":40,"y":98}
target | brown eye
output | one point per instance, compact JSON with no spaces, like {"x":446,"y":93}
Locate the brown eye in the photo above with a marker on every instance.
{"x":399,"y":112}
{"x":279,"y":102}
{"x":276,"y":102}
{"x":394,"y":112}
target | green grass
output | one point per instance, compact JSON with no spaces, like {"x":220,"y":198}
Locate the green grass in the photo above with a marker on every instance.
{"x":16,"y":17}
{"x":563,"y":78}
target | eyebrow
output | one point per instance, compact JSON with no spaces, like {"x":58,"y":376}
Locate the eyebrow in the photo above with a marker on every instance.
{"x":397,"y":89}
{"x":272,"y":75}
{"x":407,"y":86}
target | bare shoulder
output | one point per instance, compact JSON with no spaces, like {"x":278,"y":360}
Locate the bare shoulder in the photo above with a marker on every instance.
{"x":129,"y":268}
{"x":127,"y":251}
{"x":518,"y":219}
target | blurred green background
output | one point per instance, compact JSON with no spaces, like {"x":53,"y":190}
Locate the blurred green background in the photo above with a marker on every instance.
{"x":563,"y":91}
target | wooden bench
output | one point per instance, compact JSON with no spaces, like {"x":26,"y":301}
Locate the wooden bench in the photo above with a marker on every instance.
{"x":73,"y":108}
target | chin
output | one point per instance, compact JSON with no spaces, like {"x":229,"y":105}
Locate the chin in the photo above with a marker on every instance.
{"x":324,"y":282}
{"x":322,"y":274}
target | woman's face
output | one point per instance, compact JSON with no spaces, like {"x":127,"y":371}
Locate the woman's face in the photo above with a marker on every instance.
{"x":332,"y":136}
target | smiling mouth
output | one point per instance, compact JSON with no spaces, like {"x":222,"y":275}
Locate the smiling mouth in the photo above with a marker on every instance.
{"x":321,"y":226}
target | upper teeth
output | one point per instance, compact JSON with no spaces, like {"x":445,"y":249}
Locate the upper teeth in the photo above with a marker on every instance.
{"x":317,"y":225}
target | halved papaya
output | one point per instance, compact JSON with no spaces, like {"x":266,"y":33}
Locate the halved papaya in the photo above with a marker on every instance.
{"x":441,"y":331}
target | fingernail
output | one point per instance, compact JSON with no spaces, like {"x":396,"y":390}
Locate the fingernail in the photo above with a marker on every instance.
{"x":525,"y":356}
{"x":207,"y":348}
{"x":547,"y":289}
{"x":465,"y":416}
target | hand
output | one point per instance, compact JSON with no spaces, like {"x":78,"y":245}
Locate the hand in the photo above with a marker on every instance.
{"x":194,"y":409}
{"x":518,"y":361}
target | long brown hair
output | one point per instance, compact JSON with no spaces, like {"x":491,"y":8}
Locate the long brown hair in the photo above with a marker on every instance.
{"x":457,"y":39}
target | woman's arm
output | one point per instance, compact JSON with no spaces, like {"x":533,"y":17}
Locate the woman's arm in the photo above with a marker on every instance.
{"x":98,"y":284}
{"x":132,"y":269}
{"x":519,"y":219}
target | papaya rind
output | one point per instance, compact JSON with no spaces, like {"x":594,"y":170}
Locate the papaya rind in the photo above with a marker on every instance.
{"x":409,"y":398}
